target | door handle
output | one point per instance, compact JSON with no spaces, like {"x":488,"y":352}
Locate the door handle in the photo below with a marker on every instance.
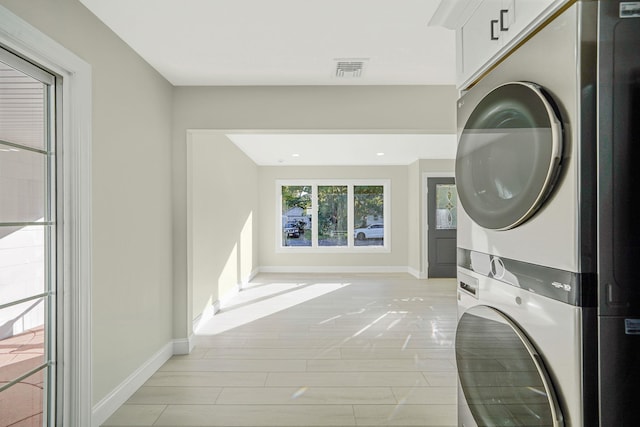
{"x":493,"y":23}
{"x":503,"y":12}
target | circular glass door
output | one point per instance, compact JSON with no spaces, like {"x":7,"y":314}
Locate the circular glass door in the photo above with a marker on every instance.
{"x":502,"y":377}
{"x":508,"y":156}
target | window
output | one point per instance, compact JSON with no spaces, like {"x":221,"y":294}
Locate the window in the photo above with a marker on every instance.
{"x":296,"y":215}
{"x":368,"y":215}
{"x":322,"y":215}
{"x":446,"y":207}
{"x":332,"y":215}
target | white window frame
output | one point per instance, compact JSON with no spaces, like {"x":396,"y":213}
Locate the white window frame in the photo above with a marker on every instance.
{"x":74,"y":198}
{"x":350,"y":184}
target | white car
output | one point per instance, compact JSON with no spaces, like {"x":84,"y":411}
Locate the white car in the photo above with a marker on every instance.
{"x":373,"y":231}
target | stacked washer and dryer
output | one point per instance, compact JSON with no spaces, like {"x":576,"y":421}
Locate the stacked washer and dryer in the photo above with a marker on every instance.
{"x":547,"y":236}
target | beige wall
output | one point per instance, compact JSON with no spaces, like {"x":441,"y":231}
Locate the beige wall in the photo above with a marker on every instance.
{"x":222,"y":218}
{"x":131,"y":173}
{"x":271,"y":259}
{"x":413,"y":109}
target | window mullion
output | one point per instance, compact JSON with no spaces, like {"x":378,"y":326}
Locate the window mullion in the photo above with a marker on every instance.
{"x":350,"y":216}
{"x":314,"y":216}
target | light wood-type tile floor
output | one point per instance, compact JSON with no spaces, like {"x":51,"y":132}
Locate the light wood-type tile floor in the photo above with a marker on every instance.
{"x":313,"y":350}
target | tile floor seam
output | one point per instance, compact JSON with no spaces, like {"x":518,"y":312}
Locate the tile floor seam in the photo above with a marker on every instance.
{"x":160,"y":415}
{"x":355,"y":418}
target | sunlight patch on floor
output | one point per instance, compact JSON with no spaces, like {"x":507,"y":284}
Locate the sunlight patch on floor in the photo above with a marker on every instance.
{"x":261,"y":300}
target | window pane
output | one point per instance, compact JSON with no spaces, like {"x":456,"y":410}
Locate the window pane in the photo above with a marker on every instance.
{"x":22,"y":185}
{"x":332,"y":215}
{"x":368,"y":215}
{"x":21,"y":339}
{"x":296,"y":215}
{"x":22,"y":108}
{"x":446,"y":207}
{"x":22,"y":264}
{"x":22,"y":403}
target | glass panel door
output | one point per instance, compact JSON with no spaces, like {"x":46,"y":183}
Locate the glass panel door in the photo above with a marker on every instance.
{"x":27,"y":244}
{"x":442,"y":220}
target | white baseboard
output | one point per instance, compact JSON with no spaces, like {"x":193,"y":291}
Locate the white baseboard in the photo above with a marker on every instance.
{"x":228,"y":296}
{"x":183,"y":345}
{"x":334,"y":269}
{"x":211,"y":311}
{"x":119,"y":395}
{"x":249,"y":278}
{"x":206,"y":315}
{"x":417,"y":273}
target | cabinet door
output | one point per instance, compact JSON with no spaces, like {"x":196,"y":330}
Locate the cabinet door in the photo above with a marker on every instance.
{"x":492,"y":27}
{"x":526,"y":11}
{"x":481,"y":37}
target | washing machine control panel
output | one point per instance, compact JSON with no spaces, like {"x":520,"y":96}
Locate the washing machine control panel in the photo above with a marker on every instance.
{"x":569,"y":287}
{"x":468,"y":284}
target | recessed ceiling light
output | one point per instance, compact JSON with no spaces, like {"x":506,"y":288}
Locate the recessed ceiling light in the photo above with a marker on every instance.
{"x":295,"y":155}
{"x":379,"y":154}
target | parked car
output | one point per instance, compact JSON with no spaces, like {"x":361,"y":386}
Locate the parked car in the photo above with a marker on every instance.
{"x":373,"y":231}
{"x":291,"y":229}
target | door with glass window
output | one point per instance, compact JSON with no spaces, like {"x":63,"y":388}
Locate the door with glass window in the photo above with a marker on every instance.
{"x":442,"y":219}
{"x":28,"y":241}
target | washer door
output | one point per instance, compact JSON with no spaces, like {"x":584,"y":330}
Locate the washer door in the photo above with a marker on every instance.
{"x":502,"y":377}
{"x":508,"y":156}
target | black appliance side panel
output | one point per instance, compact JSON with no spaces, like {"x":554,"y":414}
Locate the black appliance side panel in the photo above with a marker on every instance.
{"x":619,"y":213}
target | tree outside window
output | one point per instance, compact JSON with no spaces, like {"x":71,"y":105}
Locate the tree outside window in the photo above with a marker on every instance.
{"x":332,"y":215}
{"x":296,"y":215}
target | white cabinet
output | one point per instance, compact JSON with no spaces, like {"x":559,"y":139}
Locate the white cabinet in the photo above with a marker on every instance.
{"x":493,"y":29}
{"x":481,"y":36}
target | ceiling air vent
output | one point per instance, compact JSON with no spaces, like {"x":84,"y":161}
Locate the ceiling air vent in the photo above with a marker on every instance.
{"x":349,"y":68}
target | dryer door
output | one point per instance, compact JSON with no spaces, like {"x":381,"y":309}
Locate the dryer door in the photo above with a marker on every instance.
{"x":502,"y":378}
{"x":509,"y":155}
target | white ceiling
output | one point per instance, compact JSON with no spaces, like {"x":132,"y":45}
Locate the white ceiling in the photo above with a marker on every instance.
{"x":295,"y":42}
{"x":284,"y":42}
{"x":343,"y":149}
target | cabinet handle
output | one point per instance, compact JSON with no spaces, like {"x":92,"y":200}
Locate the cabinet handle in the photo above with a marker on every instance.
{"x":493,"y":36}
{"x":503,"y":12}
